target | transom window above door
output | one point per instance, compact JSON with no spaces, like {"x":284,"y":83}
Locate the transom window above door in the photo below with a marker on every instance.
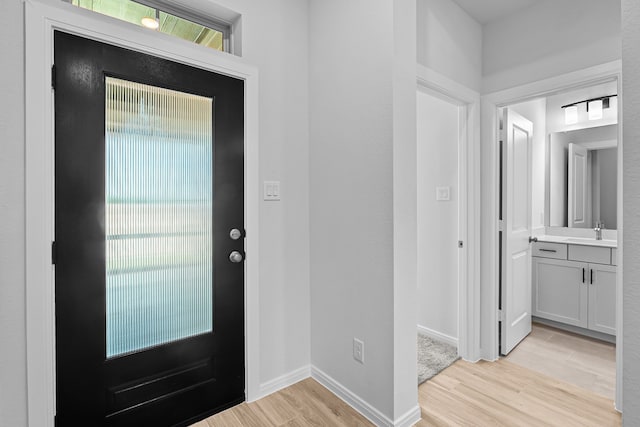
{"x":211,"y":33}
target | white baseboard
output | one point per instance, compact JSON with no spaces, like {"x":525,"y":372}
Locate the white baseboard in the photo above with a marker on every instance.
{"x":372,"y":414}
{"x":283,"y":381}
{"x":410,"y":418}
{"x":368,"y":411}
{"x":438,"y":336}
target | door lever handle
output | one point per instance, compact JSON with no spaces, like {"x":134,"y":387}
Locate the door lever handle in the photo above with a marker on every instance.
{"x":533,"y":239}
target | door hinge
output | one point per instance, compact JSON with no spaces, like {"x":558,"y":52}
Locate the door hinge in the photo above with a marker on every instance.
{"x":53,"y":77}
{"x":500,"y":225}
{"x":500,"y":316}
{"x":53,"y":253}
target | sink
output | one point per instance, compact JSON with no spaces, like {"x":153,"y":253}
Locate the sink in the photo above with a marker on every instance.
{"x":593,"y":241}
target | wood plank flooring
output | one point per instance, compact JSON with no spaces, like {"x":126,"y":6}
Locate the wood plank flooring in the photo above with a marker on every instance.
{"x":553,"y":378}
{"x":576,"y":359}
{"x":505,"y":394}
{"x":303,"y":404}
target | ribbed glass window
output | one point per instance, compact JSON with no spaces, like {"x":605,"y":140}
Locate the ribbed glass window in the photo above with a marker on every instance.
{"x":158,"y":218}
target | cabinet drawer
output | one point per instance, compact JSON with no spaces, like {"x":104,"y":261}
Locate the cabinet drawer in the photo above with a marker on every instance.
{"x":614,"y":256}
{"x":550,"y":250}
{"x":594,"y":254}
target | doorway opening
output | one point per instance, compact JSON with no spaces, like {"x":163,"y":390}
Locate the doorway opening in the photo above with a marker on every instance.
{"x":558,"y":210}
{"x":438,"y":216}
{"x":438,"y":230}
{"x":448,"y":192}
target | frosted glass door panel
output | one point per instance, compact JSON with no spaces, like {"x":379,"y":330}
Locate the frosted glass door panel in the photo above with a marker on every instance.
{"x":158,"y":219}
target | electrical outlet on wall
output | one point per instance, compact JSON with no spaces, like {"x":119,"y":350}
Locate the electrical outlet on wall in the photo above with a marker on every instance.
{"x":358,"y":350}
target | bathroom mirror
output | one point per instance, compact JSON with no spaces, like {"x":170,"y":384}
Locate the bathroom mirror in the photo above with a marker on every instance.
{"x":581,"y":178}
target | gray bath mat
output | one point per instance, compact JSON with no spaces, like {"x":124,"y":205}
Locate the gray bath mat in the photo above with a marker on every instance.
{"x":433,"y":357}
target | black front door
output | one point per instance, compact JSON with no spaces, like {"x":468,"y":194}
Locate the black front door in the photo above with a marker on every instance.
{"x":149,"y":277}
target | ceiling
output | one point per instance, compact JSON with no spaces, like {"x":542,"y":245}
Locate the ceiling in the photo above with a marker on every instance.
{"x":485,"y":11}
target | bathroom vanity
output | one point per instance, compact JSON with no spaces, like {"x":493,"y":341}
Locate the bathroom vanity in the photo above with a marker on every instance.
{"x":574,"y":282}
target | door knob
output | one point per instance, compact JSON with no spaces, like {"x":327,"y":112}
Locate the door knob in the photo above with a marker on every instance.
{"x":533,"y":239}
{"x":235,"y":257}
{"x":235,"y":234}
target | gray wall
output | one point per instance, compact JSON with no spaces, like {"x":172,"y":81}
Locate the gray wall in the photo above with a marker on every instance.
{"x":631,"y":210}
{"x":449,"y":41}
{"x":351,"y":187}
{"x":13,"y":387}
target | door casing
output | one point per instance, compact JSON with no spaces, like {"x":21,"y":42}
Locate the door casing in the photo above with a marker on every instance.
{"x":490,"y":196}
{"x":41,"y":20}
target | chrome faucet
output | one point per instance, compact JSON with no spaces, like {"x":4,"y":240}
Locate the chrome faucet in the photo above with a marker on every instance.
{"x":598,"y":230}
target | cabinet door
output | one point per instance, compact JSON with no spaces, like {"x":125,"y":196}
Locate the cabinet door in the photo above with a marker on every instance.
{"x":560,"y":291}
{"x":602,"y":298}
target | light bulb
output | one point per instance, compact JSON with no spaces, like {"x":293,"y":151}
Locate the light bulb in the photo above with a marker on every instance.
{"x":571,"y":115}
{"x":595,"y":110}
{"x":150,"y":22}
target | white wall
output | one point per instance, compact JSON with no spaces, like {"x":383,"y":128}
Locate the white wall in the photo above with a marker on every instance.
{"x":351,"y":187}
{"x":284,"y":235}
{"x":406,"y":410}
{"x":437,"y":155}
{"x":536,"y":112}
{"x":550,"y":38}
{"x":13,"y":388}
{"x":449,"y":42}
{"x":282,"y":59}
{"x":631,"y":234}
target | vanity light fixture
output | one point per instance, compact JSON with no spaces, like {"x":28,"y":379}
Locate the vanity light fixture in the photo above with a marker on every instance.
{"x":595,"y":108}
{"x":571,"y":115}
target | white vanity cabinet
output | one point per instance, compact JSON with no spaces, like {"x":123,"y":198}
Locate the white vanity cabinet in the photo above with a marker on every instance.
{"x":602,"y":299}
{"x":559,"y":292}
{"x":575,"y":285}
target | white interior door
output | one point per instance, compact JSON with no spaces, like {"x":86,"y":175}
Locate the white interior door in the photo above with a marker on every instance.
{"x":579,"y":188}
{"x":516,"y":210}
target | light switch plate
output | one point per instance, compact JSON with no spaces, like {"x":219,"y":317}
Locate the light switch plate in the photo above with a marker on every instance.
{"x":443,"y":193}
{"x":272,"y":190}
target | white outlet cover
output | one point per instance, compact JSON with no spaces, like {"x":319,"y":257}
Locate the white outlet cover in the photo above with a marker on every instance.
{"x":358,"y":350}
{"x":443,"y":193}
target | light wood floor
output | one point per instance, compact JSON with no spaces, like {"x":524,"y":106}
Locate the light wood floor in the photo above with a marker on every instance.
{"x":578,"y":360}
{"x":505,"y":394}
{"x":306,"y":403}
{"x":465,"y":394}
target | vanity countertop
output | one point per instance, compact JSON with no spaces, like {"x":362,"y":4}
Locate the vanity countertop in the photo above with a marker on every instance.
{"x":579,"y":241}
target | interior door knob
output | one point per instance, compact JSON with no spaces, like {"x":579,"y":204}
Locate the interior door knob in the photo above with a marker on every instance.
{"x":235,"y":257}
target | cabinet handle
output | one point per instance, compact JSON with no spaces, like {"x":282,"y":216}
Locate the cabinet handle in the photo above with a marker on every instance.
{"x":583,"y":273}
{"x":591,"y":282}
{"x":548,"y":250}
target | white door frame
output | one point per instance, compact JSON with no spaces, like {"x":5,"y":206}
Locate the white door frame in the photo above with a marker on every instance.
{"x":41,"y":19}
{"x":468,"y":205}
{"x":490,"y":191}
